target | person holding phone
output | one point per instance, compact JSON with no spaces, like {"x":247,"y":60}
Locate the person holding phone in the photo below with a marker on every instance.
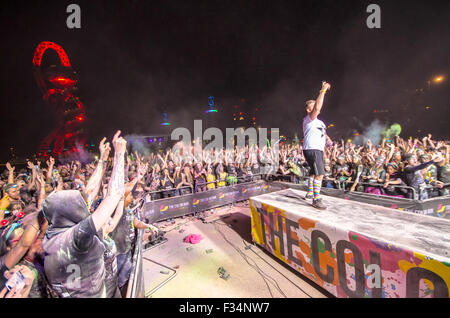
{"x":20,"y":279}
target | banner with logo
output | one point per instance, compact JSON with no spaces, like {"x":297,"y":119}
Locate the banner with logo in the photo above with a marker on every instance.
{"x":173,"y":207}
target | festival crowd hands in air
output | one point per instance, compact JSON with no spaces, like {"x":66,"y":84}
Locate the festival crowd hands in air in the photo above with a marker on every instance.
{"x":112,"y":186}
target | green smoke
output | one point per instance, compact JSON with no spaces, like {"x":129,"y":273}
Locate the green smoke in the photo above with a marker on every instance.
{"x":392,"y":131}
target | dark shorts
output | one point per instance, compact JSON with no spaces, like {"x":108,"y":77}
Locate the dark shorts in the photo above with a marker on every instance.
{"x":314,"y":158}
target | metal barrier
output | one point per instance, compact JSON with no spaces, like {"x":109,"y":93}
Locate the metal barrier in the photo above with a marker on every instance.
{"x":373,"y":184}
{"x":135,"y":287}
{"x":252,"y":177}
{"x":376,"y":184}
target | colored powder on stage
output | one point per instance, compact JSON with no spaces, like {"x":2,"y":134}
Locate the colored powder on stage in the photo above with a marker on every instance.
{"x":193,"y":238}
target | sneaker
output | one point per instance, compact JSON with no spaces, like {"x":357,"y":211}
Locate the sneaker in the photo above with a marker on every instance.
{"x":318,"y":204}
{"x":308,"y":196}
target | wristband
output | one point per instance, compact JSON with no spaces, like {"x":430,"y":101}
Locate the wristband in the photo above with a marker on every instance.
{"x":323,"y":91}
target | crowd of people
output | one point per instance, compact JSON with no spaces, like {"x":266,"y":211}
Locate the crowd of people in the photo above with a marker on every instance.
{"x":414,"y":169}
{"x":67,"y":229}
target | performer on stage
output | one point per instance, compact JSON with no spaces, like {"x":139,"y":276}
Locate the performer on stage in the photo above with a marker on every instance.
{"x":314,"y":139}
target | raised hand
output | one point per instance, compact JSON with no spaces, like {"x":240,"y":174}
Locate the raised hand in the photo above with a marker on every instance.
{"x":40,"y":181}
{"x":142,"y":169}
{"x":104,"y":148}
{"x":119,"y":143}
{"x":50,"y":162}
{"x":326,"y":86}
{"x":437,"y":157}
{"x":9,"y":167}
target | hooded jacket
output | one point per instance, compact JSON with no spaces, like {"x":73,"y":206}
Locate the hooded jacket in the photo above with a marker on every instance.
{"x":74,"y":264}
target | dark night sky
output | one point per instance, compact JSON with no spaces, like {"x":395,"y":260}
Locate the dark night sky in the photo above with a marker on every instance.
{"x":136,"y":59}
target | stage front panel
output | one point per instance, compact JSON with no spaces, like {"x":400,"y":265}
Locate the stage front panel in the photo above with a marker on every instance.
{"x":354,"y":249}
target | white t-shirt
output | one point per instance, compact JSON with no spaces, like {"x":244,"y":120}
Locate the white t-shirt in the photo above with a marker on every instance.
{"x":314,"y":132}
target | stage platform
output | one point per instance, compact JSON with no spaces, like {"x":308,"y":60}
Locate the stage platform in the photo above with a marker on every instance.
{"x":191,"y":272}
{"x":354,"y":249}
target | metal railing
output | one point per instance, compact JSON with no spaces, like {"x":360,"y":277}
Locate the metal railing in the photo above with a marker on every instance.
{"x":339,"y":183}
{"x":135,"y":287}
{"x":410,"y":189}
{"x":204,"y":184}
{"x":381,"y":185}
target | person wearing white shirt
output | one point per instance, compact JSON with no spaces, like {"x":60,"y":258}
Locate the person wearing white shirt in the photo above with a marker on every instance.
{"x":314,"y":140}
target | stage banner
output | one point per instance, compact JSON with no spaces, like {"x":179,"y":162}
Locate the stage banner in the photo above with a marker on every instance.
{"x":168,"y":208}
{"x":354,"y":249}
{"x":438,"y":207}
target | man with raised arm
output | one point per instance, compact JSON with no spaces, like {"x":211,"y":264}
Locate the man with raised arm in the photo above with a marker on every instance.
{"x":74,"y":264}
{"x":314,"y":140}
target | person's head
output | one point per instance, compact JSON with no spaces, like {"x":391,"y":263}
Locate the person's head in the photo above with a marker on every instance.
{"x":64,"y":209}
{"x":327,"y":164}
{"x":20,"y":183}
{"x":12,"y":190}
{"x":166,"y":171}
{"x":64,"y":173}
{"x":10,"y":236}
{"x":441,"y":153}
{"x":424,"y":158}
{"x":379,"y":161}
{"x":156,"y":168}
{"x":356,"y":159}
{"x":411,"y":159}
{"x":25,"y":195}
{"x":16,"y":208}
{"x":309,"y":105}
{"x":171,"y":164}
{"x":397,"y":156}
{"x":392,"y":168}
{"x":420,"y":152}
{"x":341,"y":160}
{"x":198,"y":166}
{"x":138,"y":190}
